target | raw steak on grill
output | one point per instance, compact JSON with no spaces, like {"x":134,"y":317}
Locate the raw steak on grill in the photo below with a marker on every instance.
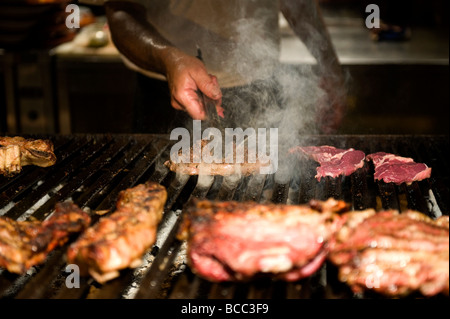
{"x":396,"y":169}
{"x":393,"y":254}
{"x":333,"y":161}
{"x":237,"y":241}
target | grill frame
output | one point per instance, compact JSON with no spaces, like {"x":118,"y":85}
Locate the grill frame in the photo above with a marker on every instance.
{"x":93,"y":168}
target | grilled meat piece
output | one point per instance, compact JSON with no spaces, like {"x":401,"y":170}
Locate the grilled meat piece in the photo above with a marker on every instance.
{"x":119,"y":240}
{"x":235,"y":241}
{"x":16,"y":152}
{"x":194,"y":164}
{"x":396,"y":169}
{"x":24,"y":244}
{"x":393,"y":254}
{"x":333,"y":161}
{"x":10,"y":160}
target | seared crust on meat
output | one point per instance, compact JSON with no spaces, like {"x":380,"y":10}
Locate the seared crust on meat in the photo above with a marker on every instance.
{"x":393,"y":254}
{"x":24,"y":244}
{"x":16,"y":152}
{"x":119,"y":240}
{"x":236,"y":241}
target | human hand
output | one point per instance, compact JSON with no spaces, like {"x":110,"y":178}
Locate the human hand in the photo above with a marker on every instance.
{"x":186,"y":75}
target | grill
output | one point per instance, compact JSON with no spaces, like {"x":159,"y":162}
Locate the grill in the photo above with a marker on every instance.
{"x":92,"y":169}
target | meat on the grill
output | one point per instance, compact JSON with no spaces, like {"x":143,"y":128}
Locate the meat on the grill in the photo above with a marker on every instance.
{"x":24,"y":244}
{"x":238,"y":241}
{"x":396,"y":169}
{"x":393,"y":254}
{"x":16,"y":152}
{"x":333,"y":161}
{"x":194,"y":164}
{"x":119,"y":240}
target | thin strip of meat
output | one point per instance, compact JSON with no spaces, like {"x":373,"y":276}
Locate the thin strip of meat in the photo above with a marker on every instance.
{"x":195,"y":166}
{"x":16,"y":152}
{"x":396,"y":169}
{"x":235,"y":241}
{"x":24,"y":244}
{"x":393,"y":254}
{"x":333,"y":161}
{"x":119,"y":240}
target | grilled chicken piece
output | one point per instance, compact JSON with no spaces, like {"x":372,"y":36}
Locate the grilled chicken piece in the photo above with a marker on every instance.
{"x":16,"y":152}
{"x":119,"y":240}
{"x":393,"y":254}
{"x":235,"y":241}
{"x":24,"y":244}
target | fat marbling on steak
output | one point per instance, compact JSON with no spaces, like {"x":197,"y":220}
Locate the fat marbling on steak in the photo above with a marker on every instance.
{"x":333,"y":161}
{"x":397,"y":169}
{"x":393,"y":254}
{"x":238,"y":241}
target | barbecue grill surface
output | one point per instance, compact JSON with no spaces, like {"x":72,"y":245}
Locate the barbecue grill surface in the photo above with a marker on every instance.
{"x":92,"y":169}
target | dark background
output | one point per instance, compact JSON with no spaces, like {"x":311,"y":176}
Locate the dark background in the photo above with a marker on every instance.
{"x":42,"y":91}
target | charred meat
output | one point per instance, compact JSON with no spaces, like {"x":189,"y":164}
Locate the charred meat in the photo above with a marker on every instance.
{"x":24,"y":244}
{"x":119,"y":240}
{"x":396,"y":169}
{"x":333,"y":161}
{"x":393,"y":254}
{"x":238,"y":241}
{"x":16,"y":152}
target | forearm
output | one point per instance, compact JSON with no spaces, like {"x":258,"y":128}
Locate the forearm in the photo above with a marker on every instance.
{"x":306,"y":20}
{"x":137,"y":39}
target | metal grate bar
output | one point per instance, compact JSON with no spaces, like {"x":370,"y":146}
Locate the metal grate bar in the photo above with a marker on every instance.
{"x":12,"y":188}
{"x":55,"y":179}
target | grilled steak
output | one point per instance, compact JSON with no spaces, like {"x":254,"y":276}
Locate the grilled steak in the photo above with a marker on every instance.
{"x":393,"y":254}
{"x":194,"y":164}
{"x":237,"y":241}
{"x":119,"y":240}
{"x":396,"y":169}
{"x":24,"y":244}
{"x":333,"y":161}
{"x":16,"y":152}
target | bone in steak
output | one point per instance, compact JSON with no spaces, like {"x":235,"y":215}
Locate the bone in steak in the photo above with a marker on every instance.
{"x":396,"y":169}
{"x":393,"y":254}
{"x":238,"y":241}
{"x":119,"y":240}
{"x":333,"y":161}
{"x":16,"y":152}
{"x":194,"y":165}
{"x":24,"y":244}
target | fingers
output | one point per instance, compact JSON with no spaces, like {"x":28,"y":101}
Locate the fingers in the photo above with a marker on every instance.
{"x":186,"y":77}
{"x":189,"y":102}
{"x":208,"y":84}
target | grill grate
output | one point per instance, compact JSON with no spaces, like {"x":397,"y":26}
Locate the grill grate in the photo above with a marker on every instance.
{"x":92,"y":169}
